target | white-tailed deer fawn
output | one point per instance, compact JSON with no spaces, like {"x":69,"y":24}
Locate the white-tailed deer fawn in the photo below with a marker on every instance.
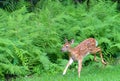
{"x":88,"y":46}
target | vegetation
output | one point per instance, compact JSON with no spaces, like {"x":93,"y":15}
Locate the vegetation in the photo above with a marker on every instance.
{"x":88,"y":73}
{"x":30,"y":42}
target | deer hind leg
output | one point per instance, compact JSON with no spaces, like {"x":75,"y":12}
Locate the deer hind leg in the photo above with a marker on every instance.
{"x":97,"y":49}
{"x":95,"y":58}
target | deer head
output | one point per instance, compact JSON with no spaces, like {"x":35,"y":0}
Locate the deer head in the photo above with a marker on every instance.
{"x":67,"y":45}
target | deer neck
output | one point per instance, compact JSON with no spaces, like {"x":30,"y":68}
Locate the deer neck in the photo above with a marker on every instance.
{"x":71,"y":50}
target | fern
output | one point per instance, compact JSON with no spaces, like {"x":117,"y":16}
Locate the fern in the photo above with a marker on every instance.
{"x":31,"y":41}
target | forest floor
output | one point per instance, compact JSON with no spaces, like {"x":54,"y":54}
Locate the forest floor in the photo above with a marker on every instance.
{"x":107,"y":73}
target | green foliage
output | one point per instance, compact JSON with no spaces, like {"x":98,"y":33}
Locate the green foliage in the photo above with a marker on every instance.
{"x":12,"y":5}
{"x":31,"y":41}
{"x":10,"y":61}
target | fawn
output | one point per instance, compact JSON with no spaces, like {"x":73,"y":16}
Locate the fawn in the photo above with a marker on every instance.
{"x":88,"y":46}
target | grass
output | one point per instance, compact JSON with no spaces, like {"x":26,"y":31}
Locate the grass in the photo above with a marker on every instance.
{"x":107,"y":73}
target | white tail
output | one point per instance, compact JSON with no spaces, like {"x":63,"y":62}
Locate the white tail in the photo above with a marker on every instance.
{"x":88,"y":46}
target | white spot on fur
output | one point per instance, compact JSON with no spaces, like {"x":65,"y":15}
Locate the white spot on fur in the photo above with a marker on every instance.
{"x":96,"y":43}
{"x":86,"y":54}
{"x":71,"y":61}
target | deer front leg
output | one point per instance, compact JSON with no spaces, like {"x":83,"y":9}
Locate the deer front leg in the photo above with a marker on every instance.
{"x":68,"y":64}
{"x":79,"y":67}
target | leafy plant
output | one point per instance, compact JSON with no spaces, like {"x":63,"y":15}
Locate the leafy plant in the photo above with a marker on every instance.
{"x":31,"y":41}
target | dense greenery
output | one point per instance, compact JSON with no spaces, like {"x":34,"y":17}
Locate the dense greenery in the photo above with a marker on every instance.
{"x":30,"y":42}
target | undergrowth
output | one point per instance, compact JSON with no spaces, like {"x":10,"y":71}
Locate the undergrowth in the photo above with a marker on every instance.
{"x":30,"y":42}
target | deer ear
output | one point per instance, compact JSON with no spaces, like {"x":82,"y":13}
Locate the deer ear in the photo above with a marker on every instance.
{"x":72,"y":41}
{"x":66,"y":40}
